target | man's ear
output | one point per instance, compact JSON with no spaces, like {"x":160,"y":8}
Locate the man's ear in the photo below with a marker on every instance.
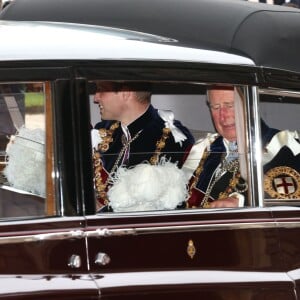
{"x":126,"y":95}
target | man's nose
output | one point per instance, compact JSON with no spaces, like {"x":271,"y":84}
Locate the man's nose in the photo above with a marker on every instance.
{"x":223,"y":112}
{"x":96,"y":98}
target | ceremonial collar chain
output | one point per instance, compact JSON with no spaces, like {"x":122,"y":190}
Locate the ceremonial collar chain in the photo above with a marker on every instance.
{"x":232,"y":167}
{"x":107,"y":138}
{"x":234,"y":185}
{"x":126,"y":145}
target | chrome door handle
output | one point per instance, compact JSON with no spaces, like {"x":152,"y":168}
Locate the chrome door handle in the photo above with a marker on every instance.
{"x":102,"y":259}
{"x":74,"y":261}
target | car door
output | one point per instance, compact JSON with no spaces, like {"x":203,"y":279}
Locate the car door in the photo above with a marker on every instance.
{"x":280,"y":108}
{"x":42,"y":240}
{"x":174,"y":254}
{"x":223,"y":255}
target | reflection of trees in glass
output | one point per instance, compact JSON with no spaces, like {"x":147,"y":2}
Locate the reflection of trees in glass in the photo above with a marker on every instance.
{"x":34,"y":102}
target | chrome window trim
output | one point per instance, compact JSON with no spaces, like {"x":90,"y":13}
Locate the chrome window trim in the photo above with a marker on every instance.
{"x":54,"y":236}
{"x":43,"y":220}
{"x":215,"y":212}
{"x":255,"y":157}
{"x":106,"y":232}
{"x":280,"y":92}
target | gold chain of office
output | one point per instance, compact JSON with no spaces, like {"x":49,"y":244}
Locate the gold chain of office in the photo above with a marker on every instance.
{"x":107,"y":138}
{"x":234,"y":168}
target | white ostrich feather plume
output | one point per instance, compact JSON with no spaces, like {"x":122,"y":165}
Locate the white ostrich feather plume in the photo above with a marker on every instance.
{"x":148,"y":187}
{"x":25,"y":168}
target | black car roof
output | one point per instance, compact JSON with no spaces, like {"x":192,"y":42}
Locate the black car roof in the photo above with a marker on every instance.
{"x":268,"y":34}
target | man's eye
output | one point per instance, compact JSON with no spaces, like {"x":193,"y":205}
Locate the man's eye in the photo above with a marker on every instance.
{"x":228,"y":105}
{"x":218,"y":106}
{"x":215,"y":106}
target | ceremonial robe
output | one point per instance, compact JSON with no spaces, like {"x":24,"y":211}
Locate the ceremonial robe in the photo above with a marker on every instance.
{"x":145,"y":133}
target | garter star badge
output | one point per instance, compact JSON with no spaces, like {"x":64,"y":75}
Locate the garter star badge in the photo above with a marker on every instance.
{"x":282,"y":183}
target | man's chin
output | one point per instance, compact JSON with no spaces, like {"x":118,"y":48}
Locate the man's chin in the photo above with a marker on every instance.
{"x":229,"y":135}
{"x":102,"y":115}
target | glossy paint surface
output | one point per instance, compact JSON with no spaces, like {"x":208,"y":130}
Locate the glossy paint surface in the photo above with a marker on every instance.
{"x":231,"y":257}
{"x":47,"y":41}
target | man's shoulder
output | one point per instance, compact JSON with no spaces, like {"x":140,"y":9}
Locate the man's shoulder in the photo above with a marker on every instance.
{"x":104,"y":124}
{"x":196,"y":152}
{"x":180,"y":133}
{"x":283,"y":149}
{"x":281,"y":161}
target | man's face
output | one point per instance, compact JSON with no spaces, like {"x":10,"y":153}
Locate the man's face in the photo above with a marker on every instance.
{"x":109,"y":101}
{"x":221,"y":104}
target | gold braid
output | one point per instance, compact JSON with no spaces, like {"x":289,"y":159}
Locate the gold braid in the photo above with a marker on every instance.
{"x":197,"y":174}
{"x":106,"y":135}
{"x":159,"y":146}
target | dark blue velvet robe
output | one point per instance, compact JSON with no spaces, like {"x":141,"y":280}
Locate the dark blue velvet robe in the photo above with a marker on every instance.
{"x":142,"y":148}
{"x":284,"y":166}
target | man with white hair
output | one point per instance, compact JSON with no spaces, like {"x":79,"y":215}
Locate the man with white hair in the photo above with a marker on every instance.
{"x":214,"y":162}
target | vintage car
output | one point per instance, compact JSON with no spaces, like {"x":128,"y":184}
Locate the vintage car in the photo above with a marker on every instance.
{"x":54,"y":243}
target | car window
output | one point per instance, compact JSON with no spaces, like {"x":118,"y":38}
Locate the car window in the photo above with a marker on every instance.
{"x":157,"y":176}
{"x":26,"y":187}
{"x":280,"y":130}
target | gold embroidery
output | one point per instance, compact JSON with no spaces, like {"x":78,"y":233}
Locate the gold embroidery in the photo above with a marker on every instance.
{"x":106,"y":135}
{"x":159,"y":146}
{"x":100,"y":187}
{"x":196,"y":176}
{"x":282,"y":183}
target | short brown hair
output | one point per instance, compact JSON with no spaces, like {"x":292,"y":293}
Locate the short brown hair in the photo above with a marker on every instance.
{"x":141,"y":89}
